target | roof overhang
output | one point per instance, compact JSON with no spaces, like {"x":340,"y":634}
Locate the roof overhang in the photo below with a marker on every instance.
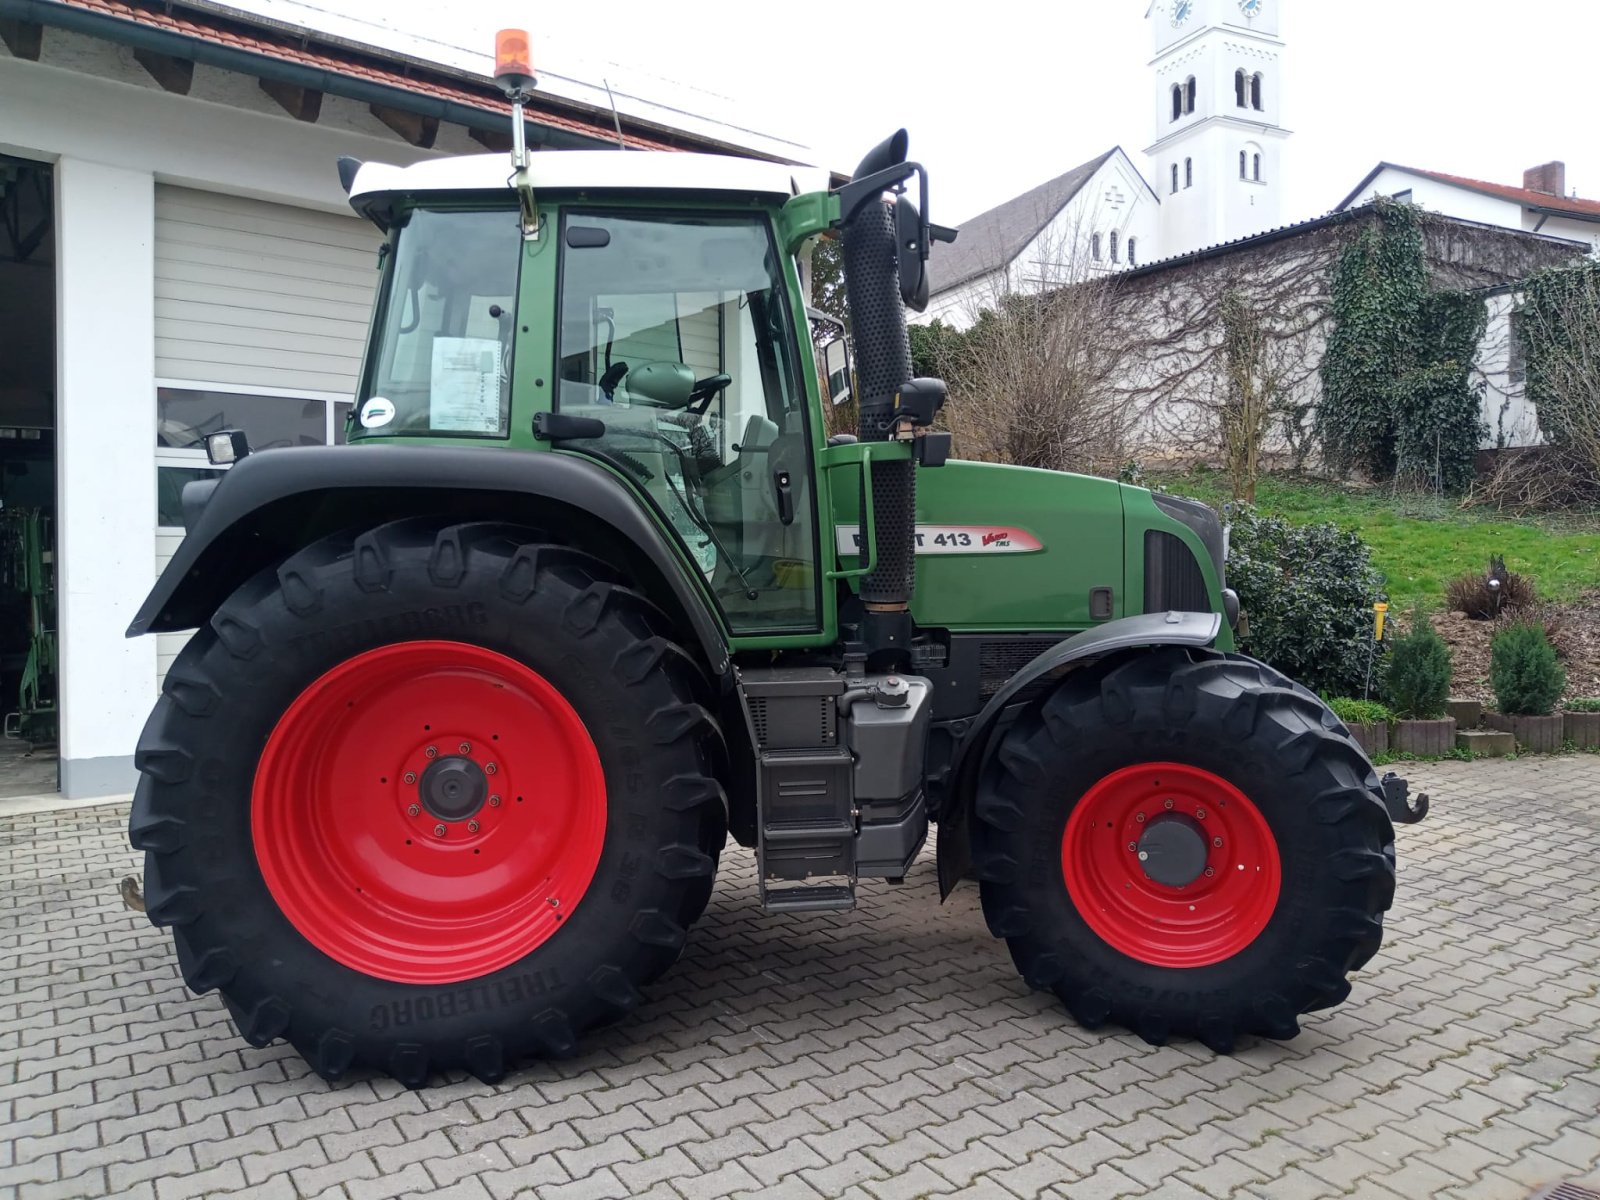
{"x":230,"y":40}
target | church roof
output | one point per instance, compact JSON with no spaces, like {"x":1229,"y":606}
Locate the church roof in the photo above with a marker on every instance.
{"x":1567,"y":206}
{"x":992,"y":239}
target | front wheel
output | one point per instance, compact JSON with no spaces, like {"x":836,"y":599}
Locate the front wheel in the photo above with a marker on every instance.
{"x":429,"y":798}
{"x":1184,"y":843}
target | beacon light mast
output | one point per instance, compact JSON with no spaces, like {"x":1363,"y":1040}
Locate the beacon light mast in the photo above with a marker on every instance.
{"x":513,"y":71}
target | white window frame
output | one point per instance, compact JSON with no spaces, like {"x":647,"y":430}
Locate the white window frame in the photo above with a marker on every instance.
{"x":167,"y":456}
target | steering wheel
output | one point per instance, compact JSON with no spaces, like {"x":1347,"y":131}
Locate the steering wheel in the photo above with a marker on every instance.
{"x":705,"y":390}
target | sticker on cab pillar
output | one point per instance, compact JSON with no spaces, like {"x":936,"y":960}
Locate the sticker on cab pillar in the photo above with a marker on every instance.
{"x":954,"y":539}
{"x":376,"y":413}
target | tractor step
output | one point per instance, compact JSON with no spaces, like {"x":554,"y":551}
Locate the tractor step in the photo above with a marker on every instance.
{"x":804,"y":898}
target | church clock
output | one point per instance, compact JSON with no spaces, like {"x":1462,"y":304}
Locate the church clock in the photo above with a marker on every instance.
{"x":1181,"y":11}
{"x":1251,"y":8}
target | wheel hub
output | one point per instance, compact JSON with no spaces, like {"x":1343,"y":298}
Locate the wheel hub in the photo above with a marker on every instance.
{"x":453,"y":788}
{"x":1172,"y":851}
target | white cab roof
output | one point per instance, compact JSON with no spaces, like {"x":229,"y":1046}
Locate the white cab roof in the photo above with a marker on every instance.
{"x":593,"y":170}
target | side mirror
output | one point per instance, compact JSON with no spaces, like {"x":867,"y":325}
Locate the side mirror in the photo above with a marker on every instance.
{"x":911,"y":250}
{"x":836,"y":362}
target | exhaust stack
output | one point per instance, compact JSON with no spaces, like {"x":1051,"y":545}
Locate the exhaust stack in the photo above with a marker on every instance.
{"x":883,"y":363}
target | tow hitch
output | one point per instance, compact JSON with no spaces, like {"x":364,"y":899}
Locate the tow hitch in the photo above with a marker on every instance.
{"x":1396,"y":792}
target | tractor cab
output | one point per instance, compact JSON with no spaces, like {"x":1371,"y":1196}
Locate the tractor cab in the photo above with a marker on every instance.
{"x":655,"y":324}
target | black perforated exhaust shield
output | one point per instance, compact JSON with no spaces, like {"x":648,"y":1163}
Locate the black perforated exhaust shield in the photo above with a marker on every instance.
{"x":883,"y":355}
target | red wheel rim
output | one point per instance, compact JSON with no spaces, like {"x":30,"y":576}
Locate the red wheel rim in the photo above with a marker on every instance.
{"x":1231,"y":896}
{"x":428,"y":812}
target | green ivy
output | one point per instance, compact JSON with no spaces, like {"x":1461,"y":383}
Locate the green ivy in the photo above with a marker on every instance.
{"x":1397,"y":402}
{"x":1559,"y":324}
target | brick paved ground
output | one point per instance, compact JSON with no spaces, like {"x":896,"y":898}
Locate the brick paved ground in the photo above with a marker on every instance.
{"x":887,"y":1053}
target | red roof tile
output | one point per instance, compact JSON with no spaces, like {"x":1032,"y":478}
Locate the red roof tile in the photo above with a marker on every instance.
{"x":1524,"y":196}
{"x":240,"y":35}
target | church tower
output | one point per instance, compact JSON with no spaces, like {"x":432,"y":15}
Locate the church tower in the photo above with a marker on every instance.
{"x":1217,"y":88}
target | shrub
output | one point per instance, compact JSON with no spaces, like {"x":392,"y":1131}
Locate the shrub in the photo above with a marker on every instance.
{"x":1360,"y":712}
{"x":1471,"y":593}
{"x":1307,"y":593}
{"x":1419,"y":671}
{"x":1523,"y":671}
{"x":1585,"y":705}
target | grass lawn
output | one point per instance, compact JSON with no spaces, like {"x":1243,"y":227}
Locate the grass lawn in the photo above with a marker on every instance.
{"x":1420,"y":542}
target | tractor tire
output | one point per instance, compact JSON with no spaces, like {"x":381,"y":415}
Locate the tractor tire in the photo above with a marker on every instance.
{"x":428,"y":798}
{"x":1184,"y":843}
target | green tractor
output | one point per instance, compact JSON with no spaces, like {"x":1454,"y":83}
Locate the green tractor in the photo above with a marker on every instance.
{"x":476,"y":700}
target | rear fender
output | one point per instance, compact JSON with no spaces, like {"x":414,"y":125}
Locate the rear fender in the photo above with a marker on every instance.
{"x":1148,"y":630}
{"x":274,"y":503}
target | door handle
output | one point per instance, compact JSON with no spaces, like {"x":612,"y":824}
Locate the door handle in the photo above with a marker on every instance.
{"x":785,"y":495}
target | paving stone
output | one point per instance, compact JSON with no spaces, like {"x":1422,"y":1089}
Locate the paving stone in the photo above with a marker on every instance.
{"x":887,"y":1052}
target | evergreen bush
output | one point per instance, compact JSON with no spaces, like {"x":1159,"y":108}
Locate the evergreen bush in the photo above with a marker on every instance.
{"x":1307,"y":593}
{"x":1523,"y":671}
{"x":1419,"y":672}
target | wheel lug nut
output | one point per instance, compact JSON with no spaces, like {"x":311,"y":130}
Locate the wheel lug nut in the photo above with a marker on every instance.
{"x":494,"y":801}
{"x":472,"y":827}
{"x":414,"y":810}
{"x":411,"y":776}
{"x":466,"y":747}
{"x":438,"y":831}
{"x":1139,"y":817}
{"x":489,"y":768}
{"x":1168,"y":803}
{"x":1199,"y":814}
{"x":1217,"y":842}
{"x":1133,"y":846}
{"x":1209,"y":872}
{"x":431,"y":752}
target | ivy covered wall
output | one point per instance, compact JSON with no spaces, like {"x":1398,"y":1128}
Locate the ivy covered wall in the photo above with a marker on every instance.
{"x":1397,"y":400}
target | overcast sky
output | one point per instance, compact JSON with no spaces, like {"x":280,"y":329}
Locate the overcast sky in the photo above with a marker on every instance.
{"x":1001,"y":95}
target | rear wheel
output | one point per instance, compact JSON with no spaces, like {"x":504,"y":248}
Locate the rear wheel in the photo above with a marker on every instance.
{"x":1187,"y":844}
{"x":429,"y":798}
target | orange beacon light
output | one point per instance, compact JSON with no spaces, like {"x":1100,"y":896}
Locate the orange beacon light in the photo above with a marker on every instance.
{"x":513,"y":64}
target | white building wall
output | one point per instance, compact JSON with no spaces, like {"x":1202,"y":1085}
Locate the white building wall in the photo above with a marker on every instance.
{"x":1439,"y":197}
{"x":1567,"y":227}
{"x":1511,"y":418}
{"x":105,"y":317}
{"x":113,"y":136}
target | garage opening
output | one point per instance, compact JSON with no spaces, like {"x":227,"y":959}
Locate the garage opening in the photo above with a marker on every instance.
{"x":29,"y":649}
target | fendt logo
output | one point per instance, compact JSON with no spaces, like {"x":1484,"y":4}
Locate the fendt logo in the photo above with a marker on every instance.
{"x":954,"y":539}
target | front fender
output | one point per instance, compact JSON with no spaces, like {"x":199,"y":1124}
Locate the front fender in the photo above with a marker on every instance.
{"x":273,"y":503}
{"x":1146,"y":630}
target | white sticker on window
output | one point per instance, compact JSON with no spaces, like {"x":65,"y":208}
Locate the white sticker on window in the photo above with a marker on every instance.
{"x":376,"y":413}
{"x":465,"y":393}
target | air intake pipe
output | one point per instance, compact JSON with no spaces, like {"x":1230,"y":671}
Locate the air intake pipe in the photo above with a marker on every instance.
{"x":883,"y":367}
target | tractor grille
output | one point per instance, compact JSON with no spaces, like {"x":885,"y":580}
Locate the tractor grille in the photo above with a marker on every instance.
{"x":1173,"y":580}
{"x":1001,"y":658}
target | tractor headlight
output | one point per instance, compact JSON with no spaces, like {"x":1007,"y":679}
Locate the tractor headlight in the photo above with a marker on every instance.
{"x":227,"y":447}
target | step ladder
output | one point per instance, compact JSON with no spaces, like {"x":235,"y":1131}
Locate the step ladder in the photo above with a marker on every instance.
{"x":805,"y":799}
